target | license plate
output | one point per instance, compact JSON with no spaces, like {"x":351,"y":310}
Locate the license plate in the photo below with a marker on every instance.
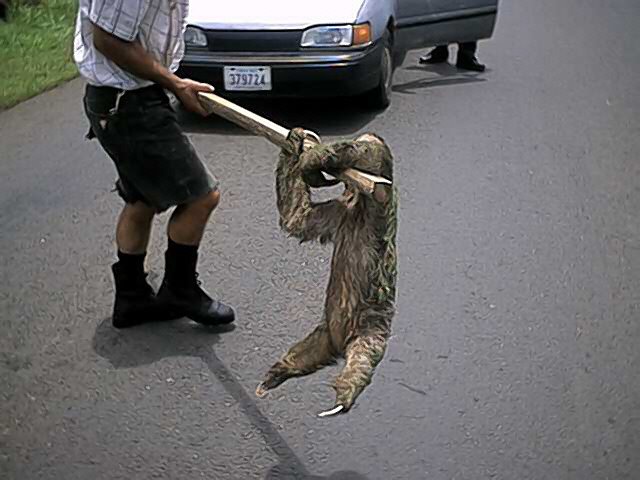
{"x":247,"y":78}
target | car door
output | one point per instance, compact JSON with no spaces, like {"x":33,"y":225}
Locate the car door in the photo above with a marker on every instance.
{"x":425,"y":23}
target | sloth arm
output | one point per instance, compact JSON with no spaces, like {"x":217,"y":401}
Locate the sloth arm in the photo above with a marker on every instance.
{"x":304,"y":219}
{"x":341,"y":156}
{"x":299,"y":216}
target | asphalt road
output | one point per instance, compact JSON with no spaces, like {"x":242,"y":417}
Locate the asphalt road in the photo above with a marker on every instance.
{"x":515,"y":350}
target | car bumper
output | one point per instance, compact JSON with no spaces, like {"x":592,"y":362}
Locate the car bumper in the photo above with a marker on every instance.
{"x":292,"y":74}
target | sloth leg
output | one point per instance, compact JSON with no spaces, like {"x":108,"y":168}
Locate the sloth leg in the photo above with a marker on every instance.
{"x":362,"y":356}
{"x":310,"y":354}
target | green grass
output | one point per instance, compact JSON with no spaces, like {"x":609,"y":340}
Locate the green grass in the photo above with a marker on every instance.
{"x":36,"y":49}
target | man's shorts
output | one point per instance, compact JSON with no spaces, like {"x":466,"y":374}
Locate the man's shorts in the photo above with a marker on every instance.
{"x":155,"y":161}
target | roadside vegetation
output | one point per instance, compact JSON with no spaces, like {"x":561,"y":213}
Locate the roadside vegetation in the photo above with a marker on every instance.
{"x":36,"y":48}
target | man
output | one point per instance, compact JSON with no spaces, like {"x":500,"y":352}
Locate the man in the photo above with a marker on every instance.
{"x":127,"y":51}
{"x":466,"y":56}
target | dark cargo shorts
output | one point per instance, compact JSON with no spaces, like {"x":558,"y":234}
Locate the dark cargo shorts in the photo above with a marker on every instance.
{"x":155,"y":161}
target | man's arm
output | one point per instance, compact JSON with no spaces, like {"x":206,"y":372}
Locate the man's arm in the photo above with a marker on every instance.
{"x":132,"y":57}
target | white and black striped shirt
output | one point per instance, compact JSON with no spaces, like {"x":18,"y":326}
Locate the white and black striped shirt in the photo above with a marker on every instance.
{"x":158,"y":25}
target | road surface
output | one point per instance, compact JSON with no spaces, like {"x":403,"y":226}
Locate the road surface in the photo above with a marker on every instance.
{"x":515,"y":350}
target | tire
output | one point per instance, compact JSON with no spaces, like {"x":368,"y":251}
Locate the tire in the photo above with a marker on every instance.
{"x":380,"y":97}
{"x":399,"y":58}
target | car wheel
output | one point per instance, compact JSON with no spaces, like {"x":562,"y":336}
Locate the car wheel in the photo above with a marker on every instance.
{"x":380,"y":97}
{"x":398,"y":58}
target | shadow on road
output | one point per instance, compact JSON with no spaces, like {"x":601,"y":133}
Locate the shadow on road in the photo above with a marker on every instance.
{"x":150,"y":343}
{"x":332,"y":117}
{"x":277,"y":474}
{"x":445,"y":74}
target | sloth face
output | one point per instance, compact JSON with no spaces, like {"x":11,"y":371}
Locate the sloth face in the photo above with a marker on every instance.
{"x":373,"y":155}
{"x":367,"y":153}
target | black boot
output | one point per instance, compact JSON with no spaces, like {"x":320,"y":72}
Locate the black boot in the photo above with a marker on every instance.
{"x":135,"y":301}
{"x":440,"y":54}
{"x":467,"y":57}
{"x":469,"y":63}
{"x":181,"y":292}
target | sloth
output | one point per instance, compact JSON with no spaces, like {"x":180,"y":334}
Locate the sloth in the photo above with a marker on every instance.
{"x":360,"y":296}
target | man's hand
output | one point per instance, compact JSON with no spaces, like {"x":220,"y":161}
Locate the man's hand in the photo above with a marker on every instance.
{"x":187,"y":92}
{"x":132,"y":57}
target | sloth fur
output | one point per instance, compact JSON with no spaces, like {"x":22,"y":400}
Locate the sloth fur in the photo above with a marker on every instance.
{"x":360,"y":296}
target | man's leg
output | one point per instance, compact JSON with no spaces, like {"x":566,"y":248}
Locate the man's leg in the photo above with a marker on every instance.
{"x":166,"y":172}
{"x":181,"y":291}
{"x":467,"y":57}
{"x":440,"y":54}
{"x":134,"y":228}
{"x":135,"y":300}
{"x":188,"y":222}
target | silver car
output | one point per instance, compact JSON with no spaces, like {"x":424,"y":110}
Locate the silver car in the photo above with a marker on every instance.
{"x":298,"y":48}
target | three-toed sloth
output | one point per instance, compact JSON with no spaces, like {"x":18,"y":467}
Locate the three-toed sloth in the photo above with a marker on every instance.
{"x":360,"y":296}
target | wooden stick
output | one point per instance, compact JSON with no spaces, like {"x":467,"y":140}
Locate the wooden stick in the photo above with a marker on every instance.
{"x":276,"y":134}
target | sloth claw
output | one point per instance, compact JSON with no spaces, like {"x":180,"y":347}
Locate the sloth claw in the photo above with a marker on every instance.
{"x":262,"y":391}
{"x":335,"y":410}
